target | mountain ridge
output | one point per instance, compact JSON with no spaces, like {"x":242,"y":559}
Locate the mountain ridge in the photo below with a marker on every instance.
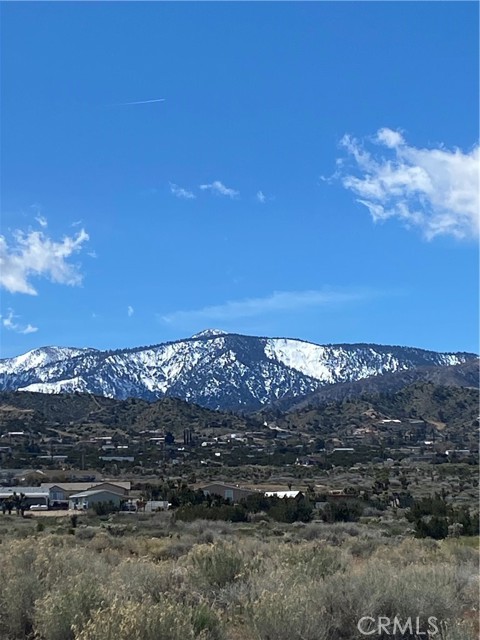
{"x":214,"y":369}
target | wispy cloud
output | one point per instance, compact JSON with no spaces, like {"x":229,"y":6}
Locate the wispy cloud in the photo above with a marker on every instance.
{"x":435,"y":189}
{"x":29,"y":329}
{"x":126,"y":104}
{"x":130,"y":311}
{"x":9,"y":322}
{"x":279,"y":301}
{"x":180,"y":192}
{"x":42,"y":221}
{"x":34,"y":254}
{"x":261,"y":197}
{"x":220,"y":189}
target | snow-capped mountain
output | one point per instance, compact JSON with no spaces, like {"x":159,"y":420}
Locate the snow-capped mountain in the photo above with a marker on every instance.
{"x":214,"y":369}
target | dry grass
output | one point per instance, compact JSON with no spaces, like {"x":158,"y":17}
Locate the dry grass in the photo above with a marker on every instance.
{"x":309,"y":583}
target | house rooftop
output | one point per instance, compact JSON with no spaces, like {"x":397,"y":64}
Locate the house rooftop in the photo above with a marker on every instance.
{"x":79,"y":486}
{"x":220,"y":484}
{"x":94,"y":492}
{"x":6,"y":492}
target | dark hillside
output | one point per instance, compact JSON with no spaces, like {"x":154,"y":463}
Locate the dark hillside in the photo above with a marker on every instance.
{"x":37,"y":410}
{"x":461,"y":375}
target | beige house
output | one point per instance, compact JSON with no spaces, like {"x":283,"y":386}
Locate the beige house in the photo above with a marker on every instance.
{"x":226,"y":491}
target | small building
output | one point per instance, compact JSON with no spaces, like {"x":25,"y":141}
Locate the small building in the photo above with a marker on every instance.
{"x":32,"y":495}
{"x":226,"y":491}
{"x":86,"y":499}
{"x":157,"y":505}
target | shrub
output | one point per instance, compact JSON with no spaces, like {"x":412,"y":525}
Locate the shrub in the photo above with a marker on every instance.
{"x":290,"y":611}
{"x":434,"y":518}
{"x":104,"y":508}
{"x":140,"y":579}
{"x":85,"y":533}
{"x":343,"y":511}
{"x":291,"y":510}
{"x":18,"y":590}
{"x":60,"y":587}
{"x":206,"y":623}
{"x":68,"y":605}
{"x":378,"y":589}
{"x":218,"y":564}
{"x":231,"y":513}
{"x":138,"y":621}
{"x":312,"y":560}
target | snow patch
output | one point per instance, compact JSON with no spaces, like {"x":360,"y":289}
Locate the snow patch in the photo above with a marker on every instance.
{"x":209,"y":333}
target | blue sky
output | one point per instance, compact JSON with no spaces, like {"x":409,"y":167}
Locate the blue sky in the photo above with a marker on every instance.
{"x":311,"y":172}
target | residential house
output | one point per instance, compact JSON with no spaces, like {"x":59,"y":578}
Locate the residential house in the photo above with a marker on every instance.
{"x":87,"y":499}
{"x":62,"y":491}
{"x":21,"y":475}
{"x":226,"y":491}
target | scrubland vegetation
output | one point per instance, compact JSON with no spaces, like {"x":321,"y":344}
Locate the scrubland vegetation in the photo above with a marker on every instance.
{"x":149,"y":577}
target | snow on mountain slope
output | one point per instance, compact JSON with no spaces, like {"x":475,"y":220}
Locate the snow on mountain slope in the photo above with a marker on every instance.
{"x":63,"y":386}
{"x":39,"y":358}
{"x":341,"y":363}
{"x":214,"y":369}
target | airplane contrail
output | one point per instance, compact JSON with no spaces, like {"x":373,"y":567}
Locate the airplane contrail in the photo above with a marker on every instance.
{"x":124,"y":104}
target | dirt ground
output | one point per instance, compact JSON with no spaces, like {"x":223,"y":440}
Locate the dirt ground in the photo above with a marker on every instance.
{"x":50,"y":514}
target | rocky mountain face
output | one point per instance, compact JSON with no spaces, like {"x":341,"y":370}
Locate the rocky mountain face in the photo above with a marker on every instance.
{"x":213,"y":369}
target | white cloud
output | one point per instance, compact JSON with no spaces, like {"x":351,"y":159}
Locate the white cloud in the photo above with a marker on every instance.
{"x":219,"y":188}
{"x":10,"y":323}
{"x":389,"y":138}
{"x":435,"y":189}
{"x":179,"y":192}
{"x":29,"y":329}
{"x":42,"y":221}
{"x":279,"y":301}
{"x":130,"y":311}
{"x":33,"y":254}
{"x":261,"y":197}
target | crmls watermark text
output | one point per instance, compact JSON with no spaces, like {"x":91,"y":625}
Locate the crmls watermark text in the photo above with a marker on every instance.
{"x":384,"y":625}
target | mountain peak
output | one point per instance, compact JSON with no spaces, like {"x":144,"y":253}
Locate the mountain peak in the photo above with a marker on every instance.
{"x":210,"y":333}
{"x":215,"y":369}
